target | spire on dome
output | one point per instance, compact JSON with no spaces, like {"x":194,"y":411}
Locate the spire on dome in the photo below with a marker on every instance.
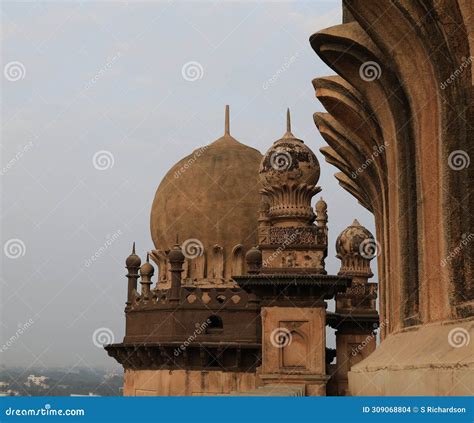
{"x":288,"y":133}
{"x":227,"y":120}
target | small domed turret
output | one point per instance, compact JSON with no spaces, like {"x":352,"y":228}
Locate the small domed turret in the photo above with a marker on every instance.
{"x":321,"y":212}
{"x":355,"y":247}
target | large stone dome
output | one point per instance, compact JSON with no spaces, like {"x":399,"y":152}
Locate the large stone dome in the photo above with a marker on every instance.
{"x":211,"y":196}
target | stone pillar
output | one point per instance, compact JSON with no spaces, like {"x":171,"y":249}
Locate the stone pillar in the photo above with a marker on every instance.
{"x":176,"y":260}
{"x":294,"y":348}
{"x":132,"y":264}
{"x":146,"y":273}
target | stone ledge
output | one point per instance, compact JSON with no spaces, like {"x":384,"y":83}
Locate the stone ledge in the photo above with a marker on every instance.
{"x":420,"y":361}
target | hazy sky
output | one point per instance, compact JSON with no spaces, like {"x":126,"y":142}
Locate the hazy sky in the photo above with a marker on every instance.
{"x":82,"y":78}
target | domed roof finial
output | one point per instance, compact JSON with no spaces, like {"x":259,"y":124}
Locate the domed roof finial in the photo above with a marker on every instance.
{"x":288,"y":122}
{"x":133,"y":261}
{"x":227,"y":120}
{"x":147,"y":269}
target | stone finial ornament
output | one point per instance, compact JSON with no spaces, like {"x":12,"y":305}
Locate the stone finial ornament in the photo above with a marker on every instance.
{"x":146,"y":273}
{"x":321,"y":208}
{"x":253,"y":258}
{"x":133,"y":261}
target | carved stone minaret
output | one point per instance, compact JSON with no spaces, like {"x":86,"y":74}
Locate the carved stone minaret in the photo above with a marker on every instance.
{"x":288,"y":238}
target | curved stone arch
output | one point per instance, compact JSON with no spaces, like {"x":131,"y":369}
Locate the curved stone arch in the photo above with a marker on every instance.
{"x":295,"y":354}
{"x":238,"y":260}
